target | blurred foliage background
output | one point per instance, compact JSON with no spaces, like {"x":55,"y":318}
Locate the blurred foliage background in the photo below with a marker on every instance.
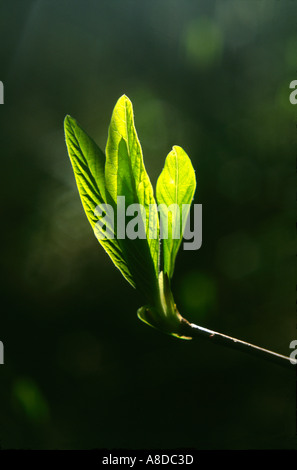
{"x":81,"y":371}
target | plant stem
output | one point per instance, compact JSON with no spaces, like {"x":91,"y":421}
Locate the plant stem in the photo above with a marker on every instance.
{"x":190,"y":329}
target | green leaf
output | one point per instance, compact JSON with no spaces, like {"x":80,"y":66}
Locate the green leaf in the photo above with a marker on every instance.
{"x":125,"y":175}
{"x":88,"y":163}
{"x":176,"y":185}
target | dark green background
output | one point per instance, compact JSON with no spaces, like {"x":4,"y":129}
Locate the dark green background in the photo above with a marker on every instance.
{"x":81,"y":371}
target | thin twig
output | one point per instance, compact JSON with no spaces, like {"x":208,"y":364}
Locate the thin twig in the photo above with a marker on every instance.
{"x":198,"y":331}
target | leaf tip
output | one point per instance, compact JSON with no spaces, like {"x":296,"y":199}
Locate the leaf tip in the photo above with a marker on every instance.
{"x":179,"y":150}
{"x":67,"y":119}
{"x":124,"y":99}
{"x":69,"y":122}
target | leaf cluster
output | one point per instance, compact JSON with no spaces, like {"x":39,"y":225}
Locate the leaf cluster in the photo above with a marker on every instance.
{"x":102,"y":178}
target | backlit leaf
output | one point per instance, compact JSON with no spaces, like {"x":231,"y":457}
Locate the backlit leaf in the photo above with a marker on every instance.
{"x":125,"y":175}
{"x":88,"y":163}
{"x":176,"y":185}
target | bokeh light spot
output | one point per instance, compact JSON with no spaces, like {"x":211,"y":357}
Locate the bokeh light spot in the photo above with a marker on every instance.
{"x":203,"y":42}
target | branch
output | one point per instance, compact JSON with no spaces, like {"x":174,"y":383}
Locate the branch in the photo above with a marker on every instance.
{"x":190,"y":329}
